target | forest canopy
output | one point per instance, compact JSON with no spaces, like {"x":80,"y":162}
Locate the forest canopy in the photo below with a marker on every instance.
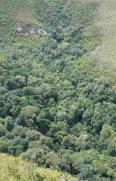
{"x":57,"y":107}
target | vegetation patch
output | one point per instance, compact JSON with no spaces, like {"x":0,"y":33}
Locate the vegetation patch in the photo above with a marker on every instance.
{"x":16,"y":169}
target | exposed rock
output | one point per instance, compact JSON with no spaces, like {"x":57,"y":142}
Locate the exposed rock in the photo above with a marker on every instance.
{"x":27,"y":31}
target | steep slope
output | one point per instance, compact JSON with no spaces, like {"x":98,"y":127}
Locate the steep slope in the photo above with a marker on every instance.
{"x":57,"y":107}
{"x":105,"y":53}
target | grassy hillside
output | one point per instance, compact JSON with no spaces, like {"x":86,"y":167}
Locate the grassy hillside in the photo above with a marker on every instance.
{"x":19,"y":10}
{"x":16,"y":169}
{"x":57,"y":106}
{"x":105,"y":52}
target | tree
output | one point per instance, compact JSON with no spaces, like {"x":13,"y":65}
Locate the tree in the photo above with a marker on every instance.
{"x":27,"y":116}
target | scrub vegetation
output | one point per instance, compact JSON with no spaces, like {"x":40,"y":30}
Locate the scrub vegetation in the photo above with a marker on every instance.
{"x":57,"y":99}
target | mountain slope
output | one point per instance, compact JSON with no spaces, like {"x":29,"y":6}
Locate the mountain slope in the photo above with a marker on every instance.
{"x":105,"y":52}
{"x":57,"y":106}
{"x":19,"y":10}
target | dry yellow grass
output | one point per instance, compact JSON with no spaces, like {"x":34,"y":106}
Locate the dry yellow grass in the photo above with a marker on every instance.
{"x":16,"y":169}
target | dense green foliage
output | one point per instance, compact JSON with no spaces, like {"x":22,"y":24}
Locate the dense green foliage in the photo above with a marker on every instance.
{"x":56,"y":108}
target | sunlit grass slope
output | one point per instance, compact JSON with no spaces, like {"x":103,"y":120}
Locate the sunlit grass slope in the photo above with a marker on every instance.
{"x":16,"y":169}
{"x":105,"y":53}
{"x":19,"y":10}
{"x":16,"y":12}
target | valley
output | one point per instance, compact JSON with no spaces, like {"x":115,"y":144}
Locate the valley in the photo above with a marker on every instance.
{"x":57,"y":90}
